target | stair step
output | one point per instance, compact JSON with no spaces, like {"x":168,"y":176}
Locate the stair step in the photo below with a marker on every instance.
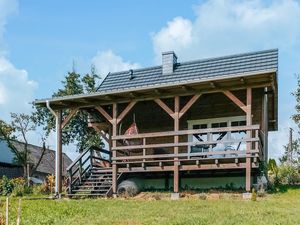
{"x":100,"y":175}
{"x":102,"y":170}
{"x":94,"y":194}
{"x":95,"y":186}
{"x":96,"y":179}
{"x":90,"y":191}
{"x":96,"y":183}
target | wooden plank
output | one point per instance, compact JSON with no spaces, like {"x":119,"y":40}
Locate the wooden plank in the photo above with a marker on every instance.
{"x":125,"y":111}
{"x":233,"y":98}
{"x":188,"y":105}
{"x":249,"y":135}
{"x":186,"y":132}
{"x":69,"y":117}
{"x":186,"y":167}
{"x":183,"y":155}
{"x":180,"y":144}
{"x":164,"y":107}
{"x":104,"y":113}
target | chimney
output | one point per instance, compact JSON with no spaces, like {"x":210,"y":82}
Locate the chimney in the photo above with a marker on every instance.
{"x":169,"y":60}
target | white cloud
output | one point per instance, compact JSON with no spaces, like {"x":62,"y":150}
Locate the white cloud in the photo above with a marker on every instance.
{"x":16,"y":90}
{"x":231,"y":26}
{"x":107,"y":61}
{"x":7,"y":7}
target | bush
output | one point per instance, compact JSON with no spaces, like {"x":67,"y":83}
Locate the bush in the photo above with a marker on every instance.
{"x":6,"y":186}
{"x":288,"y":174}
{"x":40,"y":189}
{"x":20,"y":187}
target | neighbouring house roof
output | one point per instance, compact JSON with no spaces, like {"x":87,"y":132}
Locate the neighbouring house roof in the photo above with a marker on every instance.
{"x":47,"y":164}
{"x":198,"y":70}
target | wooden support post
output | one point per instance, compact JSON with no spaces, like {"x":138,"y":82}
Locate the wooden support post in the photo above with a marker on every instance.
{"x":249,"y":135}
{"x":144,"y":151}
{"x":58,"y":154}
{"x":114,"y":153}
{"x":265,"y":124}
{"x":176,"y":140}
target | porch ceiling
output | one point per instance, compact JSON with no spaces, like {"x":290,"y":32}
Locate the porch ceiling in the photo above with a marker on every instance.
{"x":234,"y":82}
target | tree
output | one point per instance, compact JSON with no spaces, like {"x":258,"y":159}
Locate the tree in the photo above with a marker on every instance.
{"x":291,"y":154}
{"x":77,"y":129}
{"x":17,"y":130}
{"x":273,"y":171}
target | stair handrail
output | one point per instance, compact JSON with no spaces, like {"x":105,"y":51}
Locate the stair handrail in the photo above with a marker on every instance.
{"x":78,"y":161}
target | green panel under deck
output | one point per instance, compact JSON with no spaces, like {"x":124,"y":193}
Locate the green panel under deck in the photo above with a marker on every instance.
{"x":193,"y":183}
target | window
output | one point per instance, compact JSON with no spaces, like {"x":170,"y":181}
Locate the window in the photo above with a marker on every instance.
{"x":217,"y":136}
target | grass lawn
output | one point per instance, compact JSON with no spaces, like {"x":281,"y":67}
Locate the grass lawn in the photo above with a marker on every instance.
{"x":280,"y":208}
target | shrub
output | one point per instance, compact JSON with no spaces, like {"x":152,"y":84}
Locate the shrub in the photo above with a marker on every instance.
{"x":40,"y":189}
{"x":20,"y":187}
{"x":6,"y":186}
{"x":288,"y":173}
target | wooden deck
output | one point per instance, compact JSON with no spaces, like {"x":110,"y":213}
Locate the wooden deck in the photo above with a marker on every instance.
{"x":140,"y":157}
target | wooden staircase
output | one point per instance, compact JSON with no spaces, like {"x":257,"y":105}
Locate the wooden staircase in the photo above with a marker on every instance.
{"x":90,"y":175}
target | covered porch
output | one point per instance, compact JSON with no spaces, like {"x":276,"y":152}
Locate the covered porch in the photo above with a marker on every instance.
{"x":169,"y":137}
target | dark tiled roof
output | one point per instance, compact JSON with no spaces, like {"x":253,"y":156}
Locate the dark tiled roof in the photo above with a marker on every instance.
{"x":47,"y":164}
{"x":193,"y":71}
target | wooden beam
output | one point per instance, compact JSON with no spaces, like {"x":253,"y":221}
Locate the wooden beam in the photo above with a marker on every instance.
{"x":69,"y":117}
{"x":188,"y":105}
{"x":104,"y":113}
{"x":186,"y":167}
{"x":58,"y":154}
{"x":164,"y":107}
{"x":176,"y":140}
{"x":249,"y":135}
{"x":114,"y":153}
{"x":238,"y":102}
{"x":125,"y":111}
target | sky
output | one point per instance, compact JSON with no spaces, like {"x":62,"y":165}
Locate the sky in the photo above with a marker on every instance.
{"x":40,"y":41}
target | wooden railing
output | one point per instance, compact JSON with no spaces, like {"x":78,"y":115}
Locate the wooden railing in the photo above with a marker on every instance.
{"x":81,"y":166}
{"x":139,"y":153}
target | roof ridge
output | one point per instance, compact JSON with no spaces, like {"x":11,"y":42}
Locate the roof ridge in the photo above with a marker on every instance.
{"x":228,"y":56}
{"x":195,"y":61}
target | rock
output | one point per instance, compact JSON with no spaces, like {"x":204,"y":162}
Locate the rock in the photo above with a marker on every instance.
{"x":174,"y":196}
{"x":213,"y":196}
{"x":247,"y":196}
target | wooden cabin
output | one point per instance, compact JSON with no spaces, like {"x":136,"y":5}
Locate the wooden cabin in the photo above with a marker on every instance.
{"x":195,"y":124}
